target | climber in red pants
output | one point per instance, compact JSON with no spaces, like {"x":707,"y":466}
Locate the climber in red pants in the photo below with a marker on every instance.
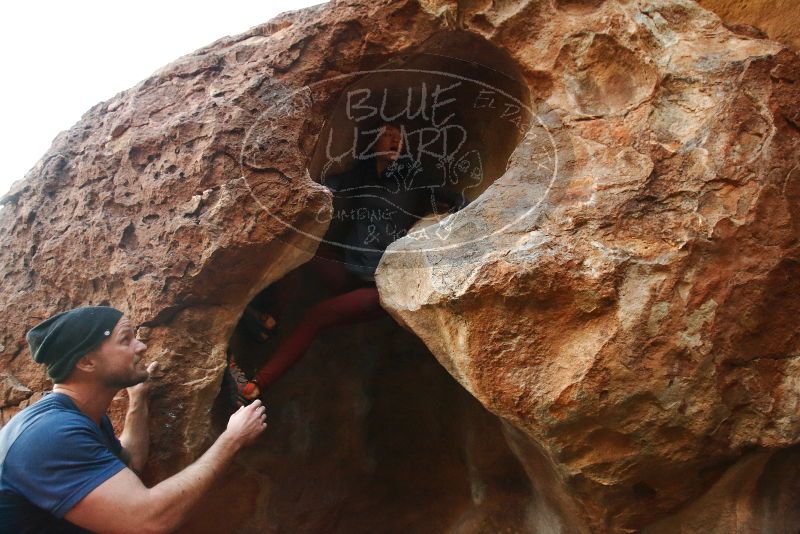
{"x":375,"y":203}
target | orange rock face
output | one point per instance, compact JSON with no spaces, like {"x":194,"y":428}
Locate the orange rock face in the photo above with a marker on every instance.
{"x":619,"y":295}
{"x":778,"y":18}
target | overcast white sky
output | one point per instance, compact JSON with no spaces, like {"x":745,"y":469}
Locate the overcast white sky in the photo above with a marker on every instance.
{"x":60,"y":58}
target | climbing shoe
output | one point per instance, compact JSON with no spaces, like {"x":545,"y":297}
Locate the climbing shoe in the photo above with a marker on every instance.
{"x":244,"y":391}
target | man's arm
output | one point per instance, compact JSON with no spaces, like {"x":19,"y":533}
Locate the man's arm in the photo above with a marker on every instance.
{"x":122,"y":504}
{"x":135,"y":437}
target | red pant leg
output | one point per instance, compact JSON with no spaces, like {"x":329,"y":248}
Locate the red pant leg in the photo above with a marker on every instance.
{"x":331,"y":272}
{"x":355,"y":306}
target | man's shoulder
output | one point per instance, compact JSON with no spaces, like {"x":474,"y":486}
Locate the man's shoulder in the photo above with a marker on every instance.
{"x":52,"y":406}
{"x":52,"y":455}
{"x":46,"y":421}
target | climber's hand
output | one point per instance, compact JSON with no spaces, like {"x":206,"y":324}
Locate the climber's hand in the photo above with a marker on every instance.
{"x":247,"y":424}
{"x":141,"y":390}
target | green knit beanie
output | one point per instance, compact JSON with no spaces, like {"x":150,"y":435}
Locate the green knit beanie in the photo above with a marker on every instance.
{"x":60,"y":341}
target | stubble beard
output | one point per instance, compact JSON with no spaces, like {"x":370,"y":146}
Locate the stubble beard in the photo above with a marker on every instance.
{"x":122,"y":382}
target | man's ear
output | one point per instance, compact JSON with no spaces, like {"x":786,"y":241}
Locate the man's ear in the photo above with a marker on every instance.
{"x":88,"y":362}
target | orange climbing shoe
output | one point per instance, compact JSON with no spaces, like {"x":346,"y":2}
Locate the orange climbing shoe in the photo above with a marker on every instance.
{"x":246,"y":390}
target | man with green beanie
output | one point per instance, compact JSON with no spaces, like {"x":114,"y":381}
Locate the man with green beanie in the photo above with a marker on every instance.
{"x":62,"y":469}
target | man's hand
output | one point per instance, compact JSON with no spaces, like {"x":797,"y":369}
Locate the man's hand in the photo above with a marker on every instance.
{"x":140,"y":391}
{"x":122,"y":504}
{"x":135,"y":437}
{"x":247,"y":424}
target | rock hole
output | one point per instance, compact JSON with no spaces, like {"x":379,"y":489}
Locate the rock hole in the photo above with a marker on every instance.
{"x":458,"y":100}
{"x":367,"y":429}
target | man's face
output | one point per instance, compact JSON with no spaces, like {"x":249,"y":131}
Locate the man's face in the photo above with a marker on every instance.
{"x":389,"y":143}
{"x":119,"y":358}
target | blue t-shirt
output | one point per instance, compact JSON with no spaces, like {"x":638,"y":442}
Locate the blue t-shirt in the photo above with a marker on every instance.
{"x":51,"y":456}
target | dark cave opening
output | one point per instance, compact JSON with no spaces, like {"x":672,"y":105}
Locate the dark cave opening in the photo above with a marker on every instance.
{"x":368,"y":432}
{"x":460,"y":107}
{"x":461,"y":103}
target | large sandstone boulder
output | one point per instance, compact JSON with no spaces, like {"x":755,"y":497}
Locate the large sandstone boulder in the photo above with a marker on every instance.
{"x":619,"y":294}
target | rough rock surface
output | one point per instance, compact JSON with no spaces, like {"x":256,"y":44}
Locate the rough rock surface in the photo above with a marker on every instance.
{"x":777,"y":18}
{"x":631,"y":324}
{"x":638,"y":325}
